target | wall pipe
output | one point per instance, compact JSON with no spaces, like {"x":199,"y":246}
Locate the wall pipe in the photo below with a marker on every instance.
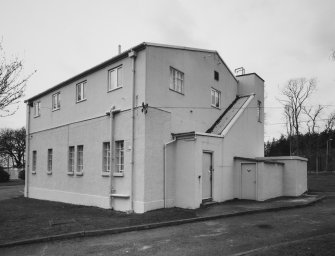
{"x":132,"y":55}
{"x":164,"y":170}
{"x":26,"y":188}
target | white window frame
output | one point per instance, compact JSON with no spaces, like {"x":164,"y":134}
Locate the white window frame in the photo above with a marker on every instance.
{"x":117,"y":82}
{"x":49,"y":159}
{"x":80,"y":160}
{"x":119,"y":156}
{"x":34,"y":162}
{"x":106,"y":158}
{"x":176,"y":80}
{"x":216,"y":95}
{"x":81,"y":90}
{"x":56,"y":101}
{"x":259,"y":111}
{"x":71,"y":160}
{"x":37,"y":109}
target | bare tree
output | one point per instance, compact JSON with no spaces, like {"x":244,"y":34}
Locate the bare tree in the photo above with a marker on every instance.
{"x":330,"y":123}
{"x":312,"y":114}
{"x":295,"y":93}
{"x":12,"y":85}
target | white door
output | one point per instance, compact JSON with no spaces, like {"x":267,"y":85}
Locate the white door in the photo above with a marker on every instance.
{"x":248,"y":183}
{"x":207,"y":172}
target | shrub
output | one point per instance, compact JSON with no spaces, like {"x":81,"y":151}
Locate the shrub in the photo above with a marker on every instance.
{"x":4,"y":176}
{"x":22,"y":175}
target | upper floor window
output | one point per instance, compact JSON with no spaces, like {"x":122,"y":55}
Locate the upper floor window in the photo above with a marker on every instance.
{"x":81,"y":94}
{"x":49,"y":160}
{"x":37,"y":108}
{"x":216,"y":75}
{"x":176,"y":80}
{"x":55,"y":101}
{"x":115,"y":78}
{"x":216,"y":98}
{"x":259,"y":112}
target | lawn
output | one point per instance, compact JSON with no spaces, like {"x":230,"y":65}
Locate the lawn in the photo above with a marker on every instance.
{"x":322,"y":182}
{"x":25,"y":218}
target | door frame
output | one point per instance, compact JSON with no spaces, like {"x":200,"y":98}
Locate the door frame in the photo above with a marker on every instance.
{"x":256,"y":174}
{"x":211,"y":153}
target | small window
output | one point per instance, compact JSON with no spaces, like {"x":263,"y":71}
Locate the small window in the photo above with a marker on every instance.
{"x":119,"y":156}
{"x":34,"y":161}
{"x":81,"y":94}
{"x":115,"y":78}
{"x":71,"y":159}
{"x":80,"y":158}
{"x":55,"y":101}
{"x":259,"y":112}
{"x":216,"y":98}
{"x":106,"y":157}
{"x":37,"y":108}
{"x":216,"y":75}
{"x":50,"y":160}
{"x":176,"y":80}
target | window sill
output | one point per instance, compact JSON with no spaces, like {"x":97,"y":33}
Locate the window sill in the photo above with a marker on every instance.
{"x":37,"y":116}
{"x":105,"y":174}
{"x":79,"y":173}
{"x":70,"y":173}
{"x":114,"y":89}
{"x":120,"y":195}
{"x":33,"y":173}
{"x":181,"y":93}
{"x":118,"y":174}
{"x":215,"y":107}
{"x":78,"y":101}
{"x":56,"y":109}
{"x":49,"y":173}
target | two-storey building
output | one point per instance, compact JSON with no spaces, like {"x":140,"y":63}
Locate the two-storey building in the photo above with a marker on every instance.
{"x":155,"y":126}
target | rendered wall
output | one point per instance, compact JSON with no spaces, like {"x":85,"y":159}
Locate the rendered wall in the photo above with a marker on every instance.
{"x":192,"y":110}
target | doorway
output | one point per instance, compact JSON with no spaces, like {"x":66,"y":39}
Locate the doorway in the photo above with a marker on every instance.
{"x":248,"y":181}
{"x":207,"y":176}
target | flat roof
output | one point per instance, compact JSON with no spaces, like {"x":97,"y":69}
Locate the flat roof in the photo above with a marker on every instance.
{"x":248,"y":74}
{"x":118,"y":57}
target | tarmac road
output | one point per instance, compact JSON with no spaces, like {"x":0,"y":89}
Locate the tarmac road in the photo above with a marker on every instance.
{"x":304,"y":231}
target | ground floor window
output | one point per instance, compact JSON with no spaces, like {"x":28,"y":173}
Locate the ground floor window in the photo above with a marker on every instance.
{"x":71,"y":159}
{"x":80,"y":158}
{"x":119,"y":155}
{"x":34,"y":161}
{"x":106,"y":157}
{"x":50,"y":160}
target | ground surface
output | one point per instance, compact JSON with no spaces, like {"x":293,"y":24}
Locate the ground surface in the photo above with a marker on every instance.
{"x":322,"y":182}
{"x":10,"y":190}
{"x":305,"y":231}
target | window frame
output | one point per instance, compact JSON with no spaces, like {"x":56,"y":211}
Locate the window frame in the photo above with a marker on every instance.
{"x":34,"y":162}
{"x":215,"y":91}
{"x":115,"y":69}
{"x":82,"y":86}
{"x":80,"y":171}
{"x":49,"y":161}
{"x":119,"y":156}
{"x":71,"y":156}
{"x":106,"y":158}
{"x":174,"y":80}
{"x":55,"y":96}
{"x":38,"y":104}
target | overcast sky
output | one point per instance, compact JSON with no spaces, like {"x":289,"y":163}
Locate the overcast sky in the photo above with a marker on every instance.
{"x":276,"y":39}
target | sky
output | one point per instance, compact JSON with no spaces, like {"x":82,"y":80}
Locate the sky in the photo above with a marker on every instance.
{"x":279,"y":40}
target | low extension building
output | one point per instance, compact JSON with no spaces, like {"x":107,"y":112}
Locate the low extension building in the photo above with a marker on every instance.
{"x":155,"y":126}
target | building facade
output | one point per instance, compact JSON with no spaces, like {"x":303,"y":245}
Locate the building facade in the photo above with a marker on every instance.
{"x":156,"y":126}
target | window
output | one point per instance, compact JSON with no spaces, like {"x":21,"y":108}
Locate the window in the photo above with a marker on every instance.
{"x":34,"y":161}
{"x":216,"y":98}
{"x":37,"y":107}
{"x":80,"y":88}
{"x":80,"y":158}
{"x":216,"y":75}
{"x":71,"y":160}
{"x":259,"y":112}
{"x":115,"y":78}
{"x":106,"y":157}
{"x":50,"y":160}
{"x":176,"y":80}
{"x":119,"y":156}
{"x":55,"y":101}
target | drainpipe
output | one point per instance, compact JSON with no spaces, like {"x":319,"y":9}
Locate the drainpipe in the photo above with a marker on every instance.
{"x":26,"y":189}
{"x":132,"y":55}
{"x":164,"y":170}
{"x":111,"y":113}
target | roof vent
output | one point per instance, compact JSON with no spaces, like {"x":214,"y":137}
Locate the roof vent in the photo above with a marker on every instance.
{"x":239,"y":71}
